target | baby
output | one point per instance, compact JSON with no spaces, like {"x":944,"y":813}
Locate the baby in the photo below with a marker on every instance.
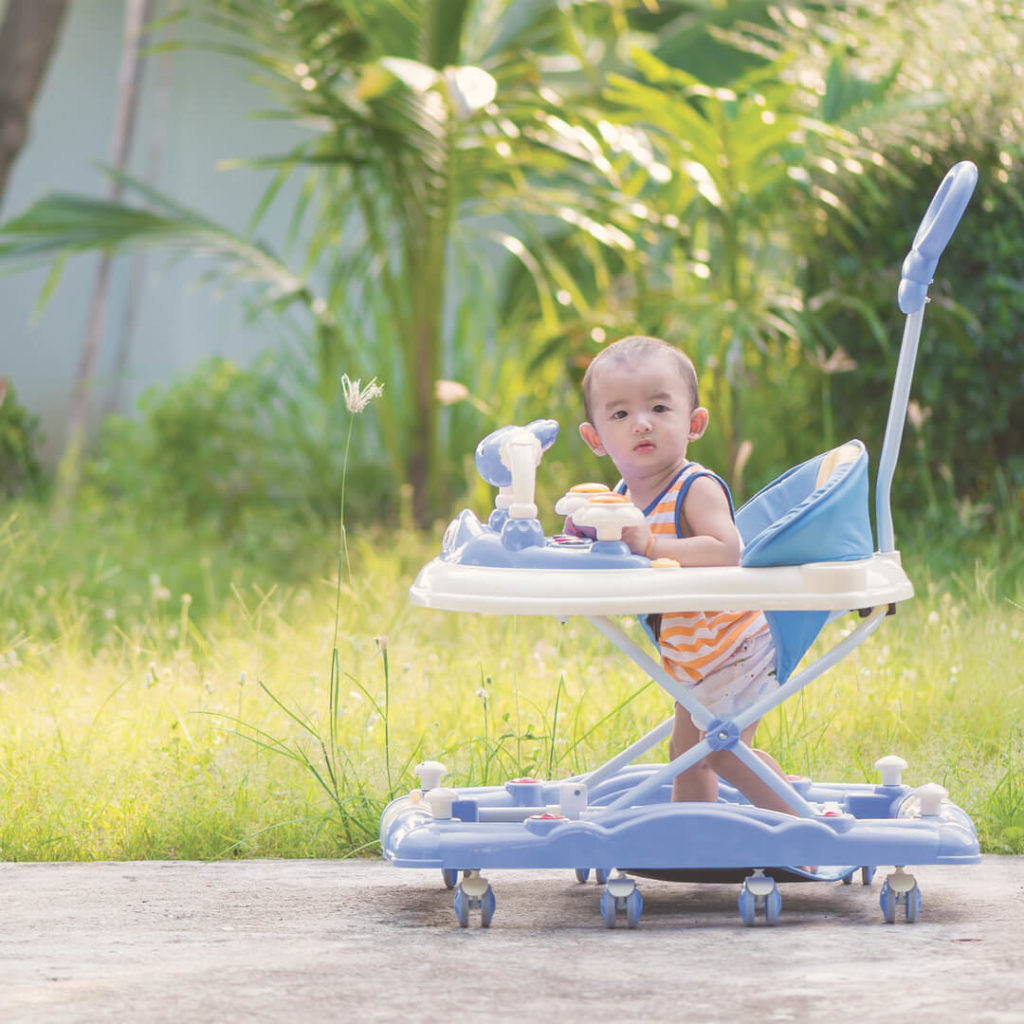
{"x":643,"y":410}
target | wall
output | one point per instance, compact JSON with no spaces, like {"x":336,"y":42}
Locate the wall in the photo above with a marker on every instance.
{"x":210,"y":118}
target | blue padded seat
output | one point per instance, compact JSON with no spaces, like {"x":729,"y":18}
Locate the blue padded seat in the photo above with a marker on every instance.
{"x":815,"y":512}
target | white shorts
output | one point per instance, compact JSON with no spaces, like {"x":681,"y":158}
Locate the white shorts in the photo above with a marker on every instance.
{"x":747,"y":675}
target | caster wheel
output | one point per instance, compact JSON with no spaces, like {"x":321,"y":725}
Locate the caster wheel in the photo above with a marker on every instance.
{"x":848,"y":879}
{"x":600,"y":875}
{"x":899,"y":889}
{"x":474,"y":893}
{"x":620,"y":893}
{"x":867,"y":875}
{"x":760,"y":893}
{"x":582,"y":874}
{"x":450,"y":876}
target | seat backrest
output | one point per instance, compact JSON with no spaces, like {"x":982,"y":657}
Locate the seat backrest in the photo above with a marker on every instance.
{"x":815,"y":512}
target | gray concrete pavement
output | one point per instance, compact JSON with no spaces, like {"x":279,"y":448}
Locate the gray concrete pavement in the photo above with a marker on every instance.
{"x":361,"y":941}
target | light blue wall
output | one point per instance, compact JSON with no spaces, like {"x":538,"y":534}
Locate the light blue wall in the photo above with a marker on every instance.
{"x":210,"y":119}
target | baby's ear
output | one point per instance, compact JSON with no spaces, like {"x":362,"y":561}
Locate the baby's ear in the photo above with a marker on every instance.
{"x":698,"y":423}
{"x":589,"y":434}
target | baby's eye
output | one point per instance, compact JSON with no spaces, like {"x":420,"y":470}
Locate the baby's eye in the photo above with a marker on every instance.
{"x":619,"y":414}
{"x":660,"y":407}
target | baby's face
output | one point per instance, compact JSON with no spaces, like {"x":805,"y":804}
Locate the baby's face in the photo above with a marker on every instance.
{"x":642,"y":415}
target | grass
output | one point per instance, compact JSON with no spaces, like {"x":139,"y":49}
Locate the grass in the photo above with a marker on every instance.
{"x":159,"y":699}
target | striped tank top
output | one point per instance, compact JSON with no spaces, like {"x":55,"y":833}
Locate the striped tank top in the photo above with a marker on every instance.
{"x":694,"y":644}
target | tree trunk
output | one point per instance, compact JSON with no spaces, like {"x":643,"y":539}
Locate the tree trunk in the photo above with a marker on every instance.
{"x":129,"y":84}
{"x":28,"y":37}
{"x":154,"y":160}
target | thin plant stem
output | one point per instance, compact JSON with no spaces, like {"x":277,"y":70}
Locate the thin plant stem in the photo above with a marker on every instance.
{"x":382,"y":642}
{"x":342,"y":532}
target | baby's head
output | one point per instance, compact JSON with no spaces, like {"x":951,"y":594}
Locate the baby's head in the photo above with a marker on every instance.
{"x":628,"y":353}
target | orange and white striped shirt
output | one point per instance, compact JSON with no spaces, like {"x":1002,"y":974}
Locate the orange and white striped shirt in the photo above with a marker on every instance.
{"x":694,"y":644}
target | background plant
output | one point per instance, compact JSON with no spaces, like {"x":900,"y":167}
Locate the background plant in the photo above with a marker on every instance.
{"x":20,"y":471}
{"x":608,"y":191}
{"x":423,"y":119}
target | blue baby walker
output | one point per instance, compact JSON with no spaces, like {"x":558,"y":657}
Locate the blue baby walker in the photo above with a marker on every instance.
{"x":808,"y":557}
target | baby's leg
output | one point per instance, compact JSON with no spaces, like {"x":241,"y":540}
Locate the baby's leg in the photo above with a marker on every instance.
{"x":755,"y":789}
{"x":767,"y":758}
{"x":696,"y":783}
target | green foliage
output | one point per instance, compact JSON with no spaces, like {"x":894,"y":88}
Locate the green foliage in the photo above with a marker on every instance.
{"x":966,"y":432}
{"x":160,"y":697}
{"x":490,"y":190}
{"x":20,"y":472}
{"x":425,"y":120}
{"x":250,"y":455}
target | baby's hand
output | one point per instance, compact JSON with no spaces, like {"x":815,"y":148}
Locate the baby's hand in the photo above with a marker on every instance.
{"x":636,"y":538}
{"x":572,"y":530}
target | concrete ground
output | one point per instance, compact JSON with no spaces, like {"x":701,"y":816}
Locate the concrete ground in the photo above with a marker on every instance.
{"x":362,"y":941}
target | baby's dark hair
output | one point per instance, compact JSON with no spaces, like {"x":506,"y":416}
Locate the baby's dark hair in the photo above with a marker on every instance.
{"x":632,"y":350}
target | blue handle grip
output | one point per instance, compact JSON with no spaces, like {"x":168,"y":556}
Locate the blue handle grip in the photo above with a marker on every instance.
{"x":940,"y":220}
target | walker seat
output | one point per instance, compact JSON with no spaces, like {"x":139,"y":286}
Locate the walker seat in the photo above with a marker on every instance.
{"x":808,"y":555}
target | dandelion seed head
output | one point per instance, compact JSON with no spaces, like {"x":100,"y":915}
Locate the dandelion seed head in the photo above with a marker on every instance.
{"x":357,"y":398}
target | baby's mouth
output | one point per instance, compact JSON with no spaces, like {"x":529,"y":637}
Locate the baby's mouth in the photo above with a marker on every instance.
{"x":644,"y":446}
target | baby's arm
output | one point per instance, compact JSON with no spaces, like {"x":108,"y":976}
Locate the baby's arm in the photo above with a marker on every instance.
{"x":714,"y":538}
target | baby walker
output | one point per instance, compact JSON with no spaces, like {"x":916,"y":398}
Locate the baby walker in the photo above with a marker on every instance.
{"x":808,"y":557}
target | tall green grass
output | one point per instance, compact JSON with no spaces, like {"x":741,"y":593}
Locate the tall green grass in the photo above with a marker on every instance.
{"x":158,"y":700}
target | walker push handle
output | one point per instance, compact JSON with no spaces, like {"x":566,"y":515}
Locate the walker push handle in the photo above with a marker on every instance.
{"x":940,"y":220}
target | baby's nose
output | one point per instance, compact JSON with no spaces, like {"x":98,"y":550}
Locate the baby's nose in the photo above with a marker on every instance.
{"x":642,"y":424}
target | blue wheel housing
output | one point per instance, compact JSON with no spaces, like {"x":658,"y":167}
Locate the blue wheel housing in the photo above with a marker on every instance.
{"x":582,"y":874}
{"x":462,"y":908}
{"x":773,"y":906}
{"x":634,"y":908}
{"x":913,"y":907}
{"x":608,"y":909}
{"x":487,"y":905}
{"x":450,"y":876}
{"x":887,"y":900}
{"x":748,"y":906}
